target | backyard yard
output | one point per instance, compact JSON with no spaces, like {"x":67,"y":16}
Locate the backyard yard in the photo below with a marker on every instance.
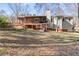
{"x":30,"y":42}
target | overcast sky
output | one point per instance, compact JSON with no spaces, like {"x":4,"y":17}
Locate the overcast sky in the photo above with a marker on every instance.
{"x":68,"y":9}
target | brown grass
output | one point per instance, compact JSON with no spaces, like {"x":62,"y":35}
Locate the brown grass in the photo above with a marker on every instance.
{"x":35,"y":37}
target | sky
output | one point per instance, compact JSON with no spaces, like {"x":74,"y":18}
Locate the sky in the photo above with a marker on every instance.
{"x":68,"y":9}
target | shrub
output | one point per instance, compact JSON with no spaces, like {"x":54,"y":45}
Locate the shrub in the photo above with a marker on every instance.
{"x":3,"y":21}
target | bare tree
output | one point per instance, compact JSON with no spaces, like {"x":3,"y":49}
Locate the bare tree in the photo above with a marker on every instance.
{"x":18,"y":9}
{"x":3,"y":13}
{"x":39,"y":6}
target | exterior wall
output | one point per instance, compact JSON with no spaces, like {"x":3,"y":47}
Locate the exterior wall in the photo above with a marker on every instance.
{"x":32,"y":22}
{"x":48,"y":18}
{"x":55,"y":23}
{"x":76,"y":22}
{"x":18,"y":27}
{"x":48,"y":15}
{"x":68,"y":24}
{"x":63,"y":25}
{"x":59,"y":23}
{"x":50,"y":25}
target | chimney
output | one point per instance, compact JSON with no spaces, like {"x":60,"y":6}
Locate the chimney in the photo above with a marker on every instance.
{"x":48,"y":14}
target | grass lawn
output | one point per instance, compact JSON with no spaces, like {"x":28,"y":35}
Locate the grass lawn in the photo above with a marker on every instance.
{"x":37,"y":37}
{"x":12,"y":38}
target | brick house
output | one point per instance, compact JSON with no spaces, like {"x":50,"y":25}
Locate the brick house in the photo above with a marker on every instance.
{"x":31,"y":22}
{"x":58,"y":23}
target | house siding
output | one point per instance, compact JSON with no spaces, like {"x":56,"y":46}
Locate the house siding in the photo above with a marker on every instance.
{"x":68,"y":24}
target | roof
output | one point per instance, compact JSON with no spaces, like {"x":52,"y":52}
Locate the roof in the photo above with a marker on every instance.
{"x":44,"y":16}
{"x":32,"y":16}
{"x":65,"y":16}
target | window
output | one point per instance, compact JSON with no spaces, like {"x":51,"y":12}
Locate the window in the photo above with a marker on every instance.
{"x":59,"y":17}
{"x":42,"y":20}
{"x":36,"y":20}
{"x":63,"y":19}
{"x":69,"y":19}
{"x":52,"y":19}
